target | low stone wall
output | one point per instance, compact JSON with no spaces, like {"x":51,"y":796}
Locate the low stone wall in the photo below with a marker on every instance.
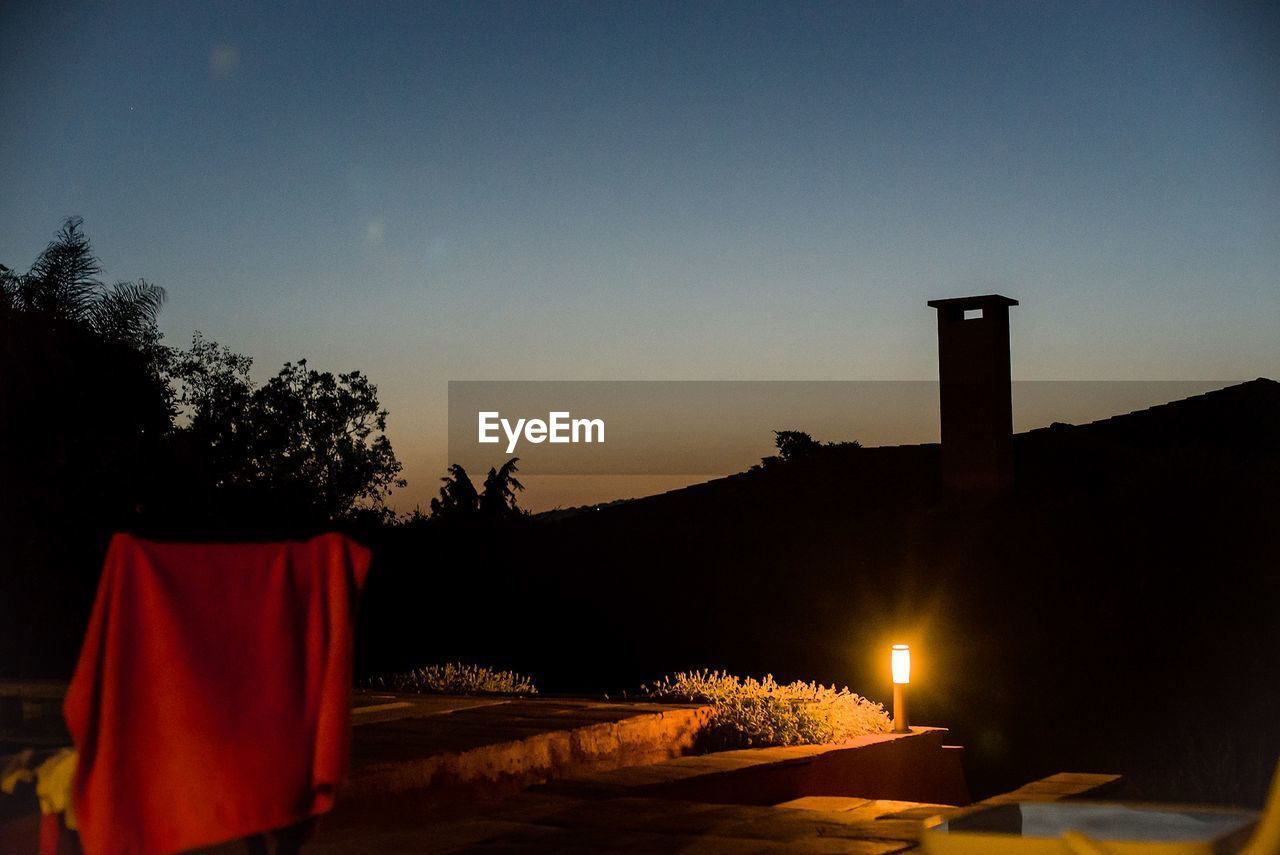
{"x":594,"y":738}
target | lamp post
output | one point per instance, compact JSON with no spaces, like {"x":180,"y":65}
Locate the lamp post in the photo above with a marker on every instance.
{"x":900,"y":660}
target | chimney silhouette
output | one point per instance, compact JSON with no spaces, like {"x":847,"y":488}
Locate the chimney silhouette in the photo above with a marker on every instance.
{"x":975,"y":394}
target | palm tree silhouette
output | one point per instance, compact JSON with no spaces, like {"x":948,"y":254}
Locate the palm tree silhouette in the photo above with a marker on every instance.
{"x":63,"y":285}
{"x":498,"y":501}
{"x":457,"y":496}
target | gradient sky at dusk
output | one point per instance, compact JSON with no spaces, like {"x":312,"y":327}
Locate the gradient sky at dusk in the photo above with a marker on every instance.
{"x":429,"y":192}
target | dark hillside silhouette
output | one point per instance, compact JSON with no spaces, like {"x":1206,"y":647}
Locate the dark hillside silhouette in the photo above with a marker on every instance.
{"x":1132,"y":571}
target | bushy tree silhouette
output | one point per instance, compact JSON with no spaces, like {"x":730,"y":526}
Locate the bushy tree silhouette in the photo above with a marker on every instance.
{"x":796,"y":445}
{"x":309,"y":439}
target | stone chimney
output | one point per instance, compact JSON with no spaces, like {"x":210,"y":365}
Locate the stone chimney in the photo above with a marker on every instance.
{"x":976,"y":395}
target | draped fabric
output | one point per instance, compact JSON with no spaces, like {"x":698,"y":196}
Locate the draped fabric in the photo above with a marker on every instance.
{"x":212,"y":697}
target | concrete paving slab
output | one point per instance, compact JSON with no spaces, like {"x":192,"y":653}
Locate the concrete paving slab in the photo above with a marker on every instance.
{"x":826,"y":803}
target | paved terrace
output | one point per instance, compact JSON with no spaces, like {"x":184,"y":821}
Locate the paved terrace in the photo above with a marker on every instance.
{"x":560,"y":775}
{"x":556,"y":776}
{"x":539,"y":821}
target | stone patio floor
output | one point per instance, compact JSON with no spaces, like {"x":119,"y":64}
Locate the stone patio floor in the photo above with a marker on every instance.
{"x":540,"y":820}
{"x":437,"y":774}
{"x":594,"y":800}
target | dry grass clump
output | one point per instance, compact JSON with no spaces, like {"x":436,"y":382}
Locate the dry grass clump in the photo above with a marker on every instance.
{"x":751,"y":713}
{"x":455,"y":678}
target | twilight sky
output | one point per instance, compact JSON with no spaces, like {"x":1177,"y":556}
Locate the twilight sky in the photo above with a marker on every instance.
{"x":474,"y":191}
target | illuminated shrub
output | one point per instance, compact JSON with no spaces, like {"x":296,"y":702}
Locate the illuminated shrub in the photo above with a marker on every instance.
{"x":751,"y":713}
{"x":455,"y":679}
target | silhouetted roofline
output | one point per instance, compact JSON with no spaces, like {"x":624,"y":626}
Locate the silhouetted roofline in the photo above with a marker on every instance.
{"x":975,"y":302}
{"x":1255,"y":389}
{"x":1255,"y":396}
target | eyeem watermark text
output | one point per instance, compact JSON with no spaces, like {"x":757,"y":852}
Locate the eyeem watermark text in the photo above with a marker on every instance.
{"x":557,"y":428}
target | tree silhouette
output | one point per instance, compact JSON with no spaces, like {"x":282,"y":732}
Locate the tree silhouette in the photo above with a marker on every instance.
{"x":213,"y":393}
{"x":88,"y":400}
{"x":796,"y":445}
{"x":498,"y":501}
{"x":63,"y":285}
{"x":84,"y":414}
{"x":458,"y":496}
{"x":308,"y":441}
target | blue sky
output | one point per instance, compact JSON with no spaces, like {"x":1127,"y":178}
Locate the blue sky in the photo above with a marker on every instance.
{"x":430,"y":192}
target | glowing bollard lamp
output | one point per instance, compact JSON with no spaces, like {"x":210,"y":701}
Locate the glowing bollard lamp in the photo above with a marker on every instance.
{"x":901,"y":663}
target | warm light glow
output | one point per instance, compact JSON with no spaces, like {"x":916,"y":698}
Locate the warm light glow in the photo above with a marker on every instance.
{"x":901,"y":663}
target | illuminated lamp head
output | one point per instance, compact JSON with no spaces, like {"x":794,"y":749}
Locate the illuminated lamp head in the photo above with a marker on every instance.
{"x":901,"y":662}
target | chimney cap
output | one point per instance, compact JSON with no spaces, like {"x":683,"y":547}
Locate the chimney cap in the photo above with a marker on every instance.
{"x":974,"y":302}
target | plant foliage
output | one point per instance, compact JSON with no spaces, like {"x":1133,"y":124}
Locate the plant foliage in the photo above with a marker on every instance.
{"x":751,"y":713}
{"x":458,"y":496}
{"x":63,"y":285}
{"x":459,"y":501}
{"x":498,"y":500}
{"x":455,"y":679}
{"x":796,"y":445}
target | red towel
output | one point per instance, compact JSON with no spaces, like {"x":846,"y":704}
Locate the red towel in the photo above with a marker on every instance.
{"x":212,"y":699}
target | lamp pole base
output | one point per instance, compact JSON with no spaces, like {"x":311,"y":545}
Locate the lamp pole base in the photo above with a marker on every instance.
{"x":901,"y":724}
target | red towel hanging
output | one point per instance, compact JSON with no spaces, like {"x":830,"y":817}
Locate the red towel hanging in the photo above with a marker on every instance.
{"x":212,"y":696}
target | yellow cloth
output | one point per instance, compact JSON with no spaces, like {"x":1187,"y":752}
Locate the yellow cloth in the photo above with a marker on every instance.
{"x":54,"y":778}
